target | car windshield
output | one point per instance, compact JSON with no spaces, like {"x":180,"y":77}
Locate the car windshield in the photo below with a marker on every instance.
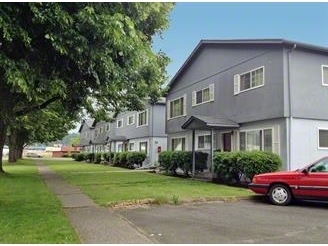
{"x":319,"y":166}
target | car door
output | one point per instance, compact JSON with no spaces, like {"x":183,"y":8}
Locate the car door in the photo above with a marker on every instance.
{"x":314,"y":181}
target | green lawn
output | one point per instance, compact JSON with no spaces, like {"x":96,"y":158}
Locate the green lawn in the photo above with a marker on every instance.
{"x":109,"y":185}
{"x":29,"y":212}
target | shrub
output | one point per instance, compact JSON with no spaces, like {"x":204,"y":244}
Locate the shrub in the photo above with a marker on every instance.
{"x":79,"y":157}
{"x":170,"y":161}
{"x":135,"y":158}
{"x":231,"y":166}
{"x":89,"y":157}
{"x":164,"y":159}
{"x":97,"y":158}
{"x":108,"y":156}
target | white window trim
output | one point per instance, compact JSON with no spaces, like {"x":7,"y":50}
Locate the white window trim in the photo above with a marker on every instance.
{"x":237,"y":81}
{"x":184,"y":107}
{"x":145,"y":141}
{"x":322,"y":77}
{"x":325,"y":129}
{"x":210,"y":87}
{"x":257,"y":129}
{"x":147,"y":116}
{"x":179,"y":137}
{"x":117,"y":123}
{"x":203,"y":135}
{"x":127,"y":120}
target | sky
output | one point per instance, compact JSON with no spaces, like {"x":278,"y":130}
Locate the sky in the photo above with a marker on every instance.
{"x":191,"y":22}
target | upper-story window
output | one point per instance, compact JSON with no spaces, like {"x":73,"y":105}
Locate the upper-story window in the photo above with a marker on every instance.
{"x":248,"y":80}
{"x":143,"y":118}
{"x":324,"y":69}
{"x":119,"y":123}
{"x":203,"y":96}
{"x":96,"y":133}
{"x":130,"y":119}
{"x":177,"y":107}
{"x":101,"y":129}
{"x":107,"y":127}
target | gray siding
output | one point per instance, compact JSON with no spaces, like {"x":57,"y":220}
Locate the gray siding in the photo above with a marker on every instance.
{"x":218,"y":65}
{"x":308,"y":96}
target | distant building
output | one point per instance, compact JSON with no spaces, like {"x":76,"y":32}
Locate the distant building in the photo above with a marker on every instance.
{"x":130,"y":131}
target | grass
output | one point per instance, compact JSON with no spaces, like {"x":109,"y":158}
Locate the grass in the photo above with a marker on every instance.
{"x":110,"y":185}
{"x":29,"y":212}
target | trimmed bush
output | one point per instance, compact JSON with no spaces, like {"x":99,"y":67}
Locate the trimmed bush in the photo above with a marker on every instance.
{"x":135,"y":158}
{"x":170,"y":161}
{"x":232,"y":166}
{"x":89,"y":157}
{"x":108,"y":156}
{"x":97,"y":158}
{"x":79,"y":157}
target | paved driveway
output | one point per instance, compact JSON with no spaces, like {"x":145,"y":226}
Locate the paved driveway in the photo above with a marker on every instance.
{"x":246,"y":221}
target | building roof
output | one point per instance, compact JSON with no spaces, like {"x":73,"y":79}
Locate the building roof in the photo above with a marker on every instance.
{"x":88,"y":122}
{"x":208,"y":123}
{"x":206,"y":42}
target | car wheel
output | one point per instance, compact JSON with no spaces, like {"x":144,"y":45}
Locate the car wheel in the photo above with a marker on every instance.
{"x":280,"y":195}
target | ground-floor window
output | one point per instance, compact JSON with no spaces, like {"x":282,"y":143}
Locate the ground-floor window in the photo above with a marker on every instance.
{"x":120,"y":147}
{"x":323,"y":138}
{"x":178,"y":144}
{"x":256,"y":140}
{"x":131,"y":146}
{"x":204,"y":142}
{"x":143,"y":147}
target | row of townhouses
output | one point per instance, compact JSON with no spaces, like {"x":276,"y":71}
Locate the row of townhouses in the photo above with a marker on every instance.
{"x":230,"y":95}
{"x":130,"y":131}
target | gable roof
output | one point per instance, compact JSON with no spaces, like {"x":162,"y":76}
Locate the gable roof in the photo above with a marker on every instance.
{"x":206,"y":42}
{"x":197,"y":122}
{"x":88,"y":122}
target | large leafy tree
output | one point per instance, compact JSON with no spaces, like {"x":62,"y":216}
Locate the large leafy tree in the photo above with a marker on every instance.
{"x":95,"y":56}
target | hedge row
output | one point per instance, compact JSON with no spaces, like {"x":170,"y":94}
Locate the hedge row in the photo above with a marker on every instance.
{"x":232,"y":167}
{"x":170,"y":161}
{"x":122,"y":159}
{"x":129,"y":159}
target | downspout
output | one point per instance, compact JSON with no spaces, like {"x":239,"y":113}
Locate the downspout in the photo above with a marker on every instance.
{"x":290,"y":114}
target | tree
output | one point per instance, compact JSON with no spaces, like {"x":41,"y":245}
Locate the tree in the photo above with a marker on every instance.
{"x":41,"y":126}
{"x":95,"y":56}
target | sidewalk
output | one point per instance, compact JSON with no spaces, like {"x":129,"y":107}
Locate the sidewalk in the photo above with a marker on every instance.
{"x":93,"y":224}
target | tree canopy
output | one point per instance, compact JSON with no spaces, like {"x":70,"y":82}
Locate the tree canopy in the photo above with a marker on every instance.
{"x":92,"y":56}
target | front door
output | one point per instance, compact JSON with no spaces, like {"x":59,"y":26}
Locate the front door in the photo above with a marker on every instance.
{"x":226,"y":140}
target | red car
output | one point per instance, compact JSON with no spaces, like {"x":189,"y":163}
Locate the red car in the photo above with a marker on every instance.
{"x":308,"y":183}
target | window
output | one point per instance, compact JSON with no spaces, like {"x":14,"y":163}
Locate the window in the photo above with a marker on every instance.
{"x":101,"y":129}
{"x":131,"y":146}
{"x":119,"y":123}
{"x":142,"y":118}
{"x":120,"y":147}
{"x":143,"y":147}
{"x":204,"y":142}
{"x":96,"y":133}
{"x":131,"y":120}
{"x":323,"y":138}
{"x":324,"y":75}
{"x":177,"y":107}
{"x":178,"y":143}
{"x":203,"y":96}
{"x":107,"y":127}
{"x":249,"y":80}
{"x":256,"y":140}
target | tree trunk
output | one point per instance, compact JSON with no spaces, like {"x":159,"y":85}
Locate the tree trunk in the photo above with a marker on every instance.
{"x":12,"y":145}
{"x":3,"y":131}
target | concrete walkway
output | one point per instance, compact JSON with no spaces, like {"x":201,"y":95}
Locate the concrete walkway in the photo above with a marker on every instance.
{"x":93,"y":224}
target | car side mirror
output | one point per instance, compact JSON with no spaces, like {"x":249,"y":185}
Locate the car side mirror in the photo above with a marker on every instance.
{"x":305,"y":171}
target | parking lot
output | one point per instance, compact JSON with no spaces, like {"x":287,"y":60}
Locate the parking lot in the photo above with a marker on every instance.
{"x":246,"y":221}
